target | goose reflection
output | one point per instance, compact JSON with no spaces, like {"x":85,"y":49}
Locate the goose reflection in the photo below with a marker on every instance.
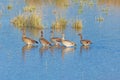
{"x":67,"y":50}
{"x":25,"y":49}
{"x":55,"y":48}
{"x":85,"y":48}
{"x":43,"y":49}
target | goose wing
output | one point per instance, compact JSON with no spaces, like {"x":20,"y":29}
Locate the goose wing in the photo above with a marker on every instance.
{"x":30,"y":40}
{"x":56,"y":39}
{"x":43,"y":40}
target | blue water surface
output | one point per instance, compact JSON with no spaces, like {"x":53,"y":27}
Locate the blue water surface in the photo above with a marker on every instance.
{"x":99,"y":62}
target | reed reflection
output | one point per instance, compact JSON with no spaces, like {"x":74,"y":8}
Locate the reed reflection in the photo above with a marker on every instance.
{"x":26,"y":48}
{"x":67,"y":50}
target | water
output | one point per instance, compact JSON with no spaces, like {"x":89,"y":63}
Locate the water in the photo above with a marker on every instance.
{"x":100,"y":61}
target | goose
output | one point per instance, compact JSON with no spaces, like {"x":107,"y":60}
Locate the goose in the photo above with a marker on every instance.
{"x":67,"y":43}
{"x":43,"y":41}
{"x":84,"y":42}
{"x":55,"y":40}
{"x":27,"y":40}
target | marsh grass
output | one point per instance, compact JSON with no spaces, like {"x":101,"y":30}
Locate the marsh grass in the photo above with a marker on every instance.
{"x":90,"y":4}
{"x":34,"y":32}
{"x":19,"y":21}
{"x":60,"y":24}
{"x":105,"y":10}
{"x":9,"y":7}
{"x":77,"y":25}
{"x":100,"y":19}
{"x":32,"y":21}
{"x":29,"y":8}
{"x":62,"y":3}
{"x":35,"y":21}
{"x":80,"y":10}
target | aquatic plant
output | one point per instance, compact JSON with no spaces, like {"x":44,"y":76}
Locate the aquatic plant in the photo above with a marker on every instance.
{"x":35,"y":21}
{"x":9,"y":7}
{"x":60,"y":24}
{"x":80,"y":10}
{"x":77,"y":25}
{"x":34,"y":32}
{"x":90,"y":3}
{"x":19,"y":21}
{"x":105,"y":10}
{"x":32,"y":21}
{"x":29,"y":8}
{"x":100,"y":19}
{"x":62,"y":3}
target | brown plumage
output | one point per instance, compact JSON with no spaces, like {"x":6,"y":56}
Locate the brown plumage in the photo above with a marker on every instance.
{"x":84,"y":42}
{"x":55,"y":40}
{"x":43,"y":41}
{"x":27,"y":40}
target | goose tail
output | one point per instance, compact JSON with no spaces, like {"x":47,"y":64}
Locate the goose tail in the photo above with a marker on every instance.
{"x":50,"y":44}
{"x":36,"y":42}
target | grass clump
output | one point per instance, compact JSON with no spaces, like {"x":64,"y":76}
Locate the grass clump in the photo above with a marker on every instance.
{"x":9,"y":7}
{"x":77,"y":25}
{"x":105,"y":10}
{"x":29,"y":8}
{"x":100,"y":19}
{"x":35,"y":21}
{"x":90,"y":3}
{"x":60,"y":24}
{"x":19,"y":21}
{"x":32,"y":21}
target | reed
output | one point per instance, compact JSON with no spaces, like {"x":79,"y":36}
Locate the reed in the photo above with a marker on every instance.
{"x":60,"y":24}
{"x":29,"y":8}
{"x":9,"y":7}
{"x":19,"y":21}
{"x":31,"y":21}
{"x":100,"y":19}
{"x":77,"y":25}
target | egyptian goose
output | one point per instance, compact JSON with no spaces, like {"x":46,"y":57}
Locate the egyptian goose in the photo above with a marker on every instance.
{"x":67,"y":43}
{"x":55,"y":40}
{"x":84,"y":42}
{"x":43,"y":41}
{"x":27,"y":40}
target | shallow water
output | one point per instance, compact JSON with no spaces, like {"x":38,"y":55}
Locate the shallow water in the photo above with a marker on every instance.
{"x":99,"y":61}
